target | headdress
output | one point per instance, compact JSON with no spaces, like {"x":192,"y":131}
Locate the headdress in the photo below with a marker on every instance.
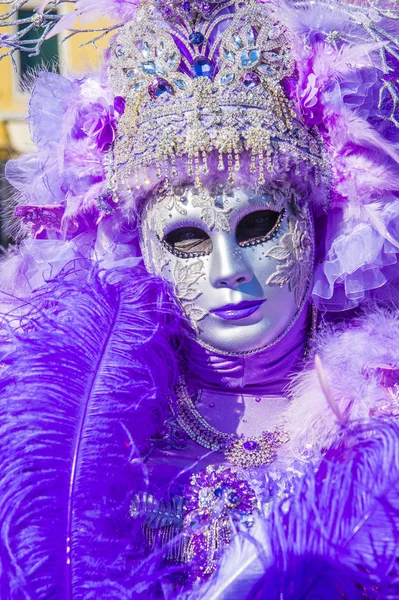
{"x":263,"y":90}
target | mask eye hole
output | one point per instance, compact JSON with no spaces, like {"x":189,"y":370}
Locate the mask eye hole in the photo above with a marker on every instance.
{"x":258,"y":227}
{"x":187,"y":242}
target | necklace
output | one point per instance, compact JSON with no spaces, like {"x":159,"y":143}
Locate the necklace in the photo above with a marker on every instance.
{"x":246,"y":452}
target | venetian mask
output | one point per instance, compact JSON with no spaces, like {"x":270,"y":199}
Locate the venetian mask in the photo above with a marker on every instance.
{"x":239,"y":261}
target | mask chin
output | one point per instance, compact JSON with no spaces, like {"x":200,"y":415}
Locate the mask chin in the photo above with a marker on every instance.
{"x":240,"y":262}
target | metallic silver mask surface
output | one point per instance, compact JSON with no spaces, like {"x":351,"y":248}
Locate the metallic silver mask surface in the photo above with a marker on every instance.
{"x":276,"y":272}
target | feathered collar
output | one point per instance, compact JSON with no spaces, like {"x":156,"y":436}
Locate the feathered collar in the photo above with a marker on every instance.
{"x":356,"y":377}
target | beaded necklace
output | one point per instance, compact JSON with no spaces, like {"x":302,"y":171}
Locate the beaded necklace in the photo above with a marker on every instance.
{"x":246,"y":452}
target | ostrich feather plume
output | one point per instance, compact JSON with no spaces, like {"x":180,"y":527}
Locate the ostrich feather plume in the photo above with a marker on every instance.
{"x":86,"y":365}
{"x":336,"y":537}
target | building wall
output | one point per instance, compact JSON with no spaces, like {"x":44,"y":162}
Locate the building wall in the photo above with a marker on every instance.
{"x":14,"y":132}
{"x":14,"y":135}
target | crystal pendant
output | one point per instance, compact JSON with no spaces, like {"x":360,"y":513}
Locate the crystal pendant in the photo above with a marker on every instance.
{"x":138,"y":85}
{"x":227,"y":78}
{"x":130,"y":73}
{"x":249,"y":58}
{"x":202,"y":67}
{"x":250,"y":80}
{"x":161,"y":49}
{"x":159,"y":86}
{"x":196,"y":38}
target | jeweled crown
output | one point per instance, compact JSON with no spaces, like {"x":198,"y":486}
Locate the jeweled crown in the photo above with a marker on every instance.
{"x":199,"y":80}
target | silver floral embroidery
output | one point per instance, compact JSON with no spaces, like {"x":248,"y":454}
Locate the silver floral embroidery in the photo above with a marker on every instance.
{"x":176,"y":202}
{"x":212,"y":214}
{"x":186,"y":275}
{"x":293,"y":255}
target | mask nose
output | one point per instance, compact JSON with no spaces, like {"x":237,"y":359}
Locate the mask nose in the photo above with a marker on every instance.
{"x":228,"y":267}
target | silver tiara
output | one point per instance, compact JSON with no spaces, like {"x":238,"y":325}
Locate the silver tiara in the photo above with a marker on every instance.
{"x":211,"y":84}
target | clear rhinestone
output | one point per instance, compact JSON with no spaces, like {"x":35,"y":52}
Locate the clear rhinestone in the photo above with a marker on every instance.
{"x":249,"y":58}
{"x":182,"y":85}
{"x":149,"y":67}
{"x":251,"y":37}
{"x":267,"y":69}
{"x":119,"y":51}
{"x":172,"y":60}
{"x":237,"y":41}
{"x":274,"y":32}
{"x":229,"y":56}
{"x":145,"y":51}
{"x":227,"y":78}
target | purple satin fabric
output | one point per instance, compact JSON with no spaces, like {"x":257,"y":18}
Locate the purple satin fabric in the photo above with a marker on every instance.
{"x":264,"y":373}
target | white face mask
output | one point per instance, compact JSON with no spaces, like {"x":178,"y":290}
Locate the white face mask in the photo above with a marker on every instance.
{"x":240,"y":262}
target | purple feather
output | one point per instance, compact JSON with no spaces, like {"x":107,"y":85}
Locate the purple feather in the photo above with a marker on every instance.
{"x":340,"y":537}
{"x":93,"y":365}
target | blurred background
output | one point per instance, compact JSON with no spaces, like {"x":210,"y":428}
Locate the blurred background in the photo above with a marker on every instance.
{"x":57,"y":54}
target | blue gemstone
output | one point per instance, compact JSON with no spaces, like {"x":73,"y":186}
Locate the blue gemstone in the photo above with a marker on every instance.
{"x":181,"y":84}
{"x":187,"y":6}
{"x":194,"y":524}
{"x":251,"y":37}
{"x":229,"y":56}
{"x":267,"y":69}
{"x":202,"y":67}
{"x":196,"y":37}
{"x":250,"y":58}
{"x":172,"y":60}
{"x":233,"y":498}
{"x":250,"y":80}
{"x":149,"y":67}
{"x":227,"y":78}
{"x":146,"y":50}
{"x":218,"y":492}
{"x":251,"y":445}
{"x":237,"y":41}
{"x":159,"y":86}
{"x":119,"y":51}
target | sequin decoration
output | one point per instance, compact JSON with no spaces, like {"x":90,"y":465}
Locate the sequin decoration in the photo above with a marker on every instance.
{"x":218,"y":501}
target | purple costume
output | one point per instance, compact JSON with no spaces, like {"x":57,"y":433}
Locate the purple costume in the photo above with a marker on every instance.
{"x":199,"y":343}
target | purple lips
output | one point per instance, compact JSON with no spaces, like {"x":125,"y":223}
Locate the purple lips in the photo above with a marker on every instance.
{"x":231,"y":312}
